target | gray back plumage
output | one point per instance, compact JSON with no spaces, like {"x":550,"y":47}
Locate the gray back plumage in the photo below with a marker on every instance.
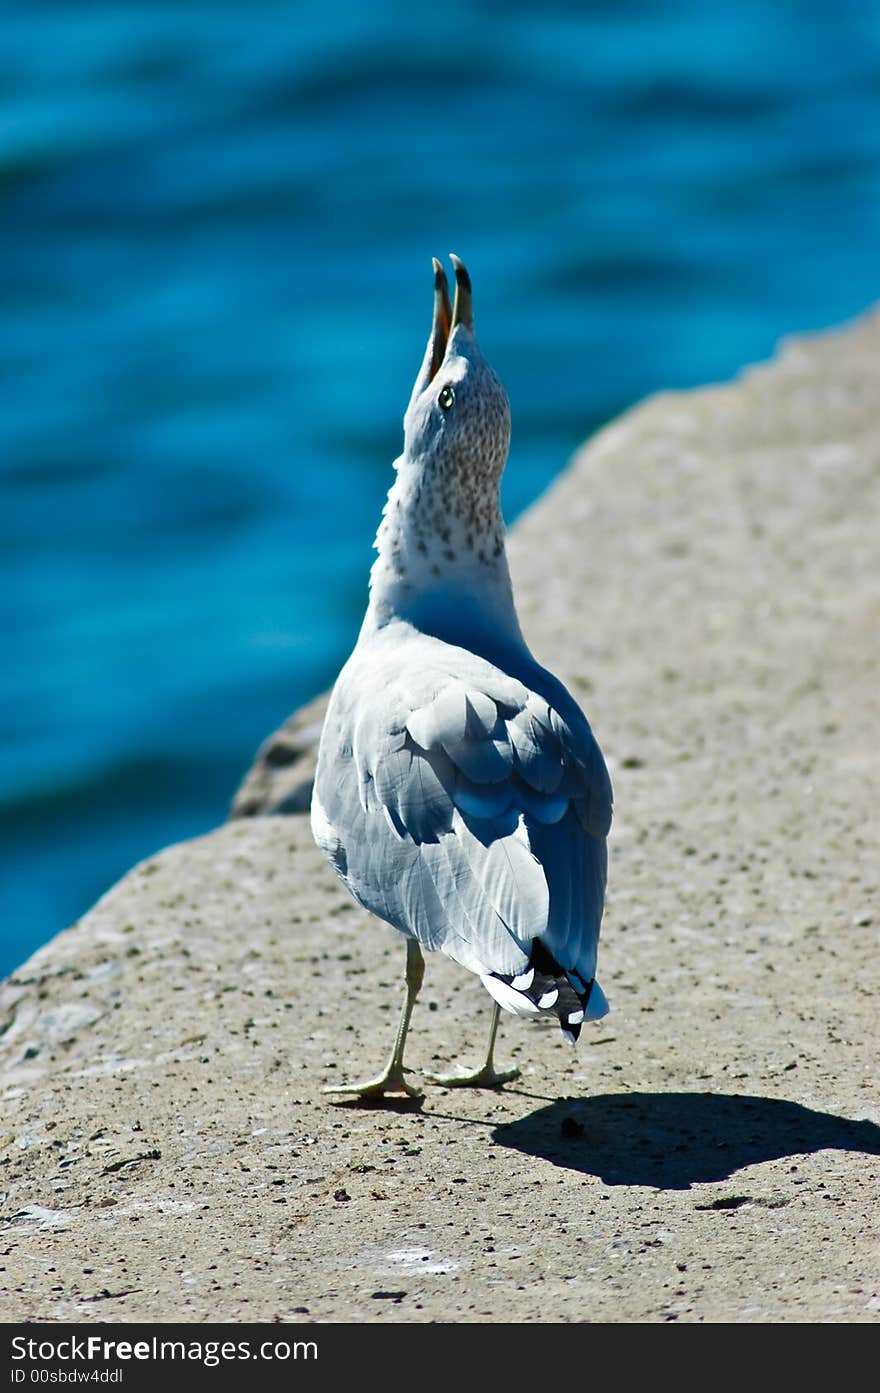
{"x":462,"y":806}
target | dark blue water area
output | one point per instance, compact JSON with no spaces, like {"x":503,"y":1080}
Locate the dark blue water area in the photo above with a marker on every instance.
{"x":216,"y":225}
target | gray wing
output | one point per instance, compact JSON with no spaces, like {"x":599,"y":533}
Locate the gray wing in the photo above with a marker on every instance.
{"x":463,"y":808}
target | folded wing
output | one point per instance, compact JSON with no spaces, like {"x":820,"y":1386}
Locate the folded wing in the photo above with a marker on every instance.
{"x":469,"y":810}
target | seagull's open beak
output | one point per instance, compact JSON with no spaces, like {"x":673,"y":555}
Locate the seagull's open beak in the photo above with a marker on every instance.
{"x":446,"y":315}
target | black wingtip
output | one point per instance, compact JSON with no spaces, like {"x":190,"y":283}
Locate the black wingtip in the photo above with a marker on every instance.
{"x":550,"y":979}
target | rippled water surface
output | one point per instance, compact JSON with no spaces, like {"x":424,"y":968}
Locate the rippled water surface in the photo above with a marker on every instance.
{"x":217,"y":224}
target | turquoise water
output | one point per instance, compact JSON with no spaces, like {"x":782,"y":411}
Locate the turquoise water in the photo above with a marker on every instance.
{"x":217,"y":225}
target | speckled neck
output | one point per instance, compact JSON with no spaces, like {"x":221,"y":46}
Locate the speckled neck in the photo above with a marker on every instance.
{"x":442,"y":565}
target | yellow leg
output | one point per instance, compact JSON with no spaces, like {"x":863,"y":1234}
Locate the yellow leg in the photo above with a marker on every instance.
{"x":392,"y":1079}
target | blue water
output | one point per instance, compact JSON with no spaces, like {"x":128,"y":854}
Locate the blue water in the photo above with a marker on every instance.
{"x":216,"y":224}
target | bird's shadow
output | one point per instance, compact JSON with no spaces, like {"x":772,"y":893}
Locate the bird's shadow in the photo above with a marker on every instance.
{"x":671,"y":1141}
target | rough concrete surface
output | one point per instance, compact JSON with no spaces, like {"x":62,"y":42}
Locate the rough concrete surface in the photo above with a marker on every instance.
{"x":705,"y":579}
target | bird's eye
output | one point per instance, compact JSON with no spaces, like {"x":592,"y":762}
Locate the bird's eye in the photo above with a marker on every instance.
{"x":446,"y":397}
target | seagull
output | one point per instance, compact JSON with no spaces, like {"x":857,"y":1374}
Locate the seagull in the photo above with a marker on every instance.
{"x":460,"y":794}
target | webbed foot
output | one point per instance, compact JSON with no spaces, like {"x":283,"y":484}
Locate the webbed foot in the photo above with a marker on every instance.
{"x":390,"y":1083}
